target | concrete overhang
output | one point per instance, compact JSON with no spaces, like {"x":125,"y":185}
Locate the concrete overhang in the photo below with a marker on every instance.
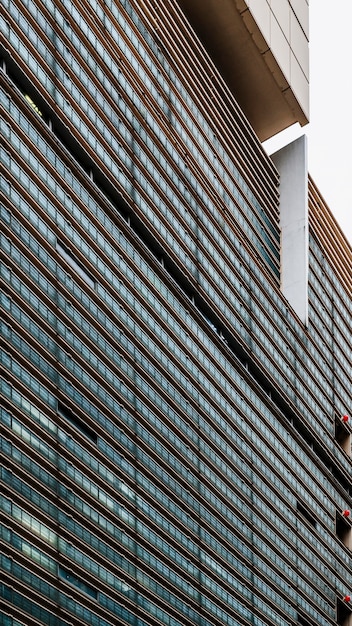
{"x":240,"y":52}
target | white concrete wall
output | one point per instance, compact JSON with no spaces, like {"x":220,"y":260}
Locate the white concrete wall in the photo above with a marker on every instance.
{"x":291,"y":161}
{"x":285,"y":26}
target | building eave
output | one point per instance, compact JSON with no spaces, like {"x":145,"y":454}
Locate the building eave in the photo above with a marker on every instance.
{"x":247,"y":64}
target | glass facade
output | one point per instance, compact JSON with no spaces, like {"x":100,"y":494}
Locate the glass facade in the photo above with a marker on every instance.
{"x":168,"y":426}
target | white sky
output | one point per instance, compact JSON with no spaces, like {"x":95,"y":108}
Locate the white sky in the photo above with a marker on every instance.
{"x":330,"y":128}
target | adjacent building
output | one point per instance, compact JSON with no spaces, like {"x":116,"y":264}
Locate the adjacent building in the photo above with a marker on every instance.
{"x":175,"y":321}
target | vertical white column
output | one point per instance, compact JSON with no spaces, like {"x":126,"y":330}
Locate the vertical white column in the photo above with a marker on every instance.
{"x":291,"y":161}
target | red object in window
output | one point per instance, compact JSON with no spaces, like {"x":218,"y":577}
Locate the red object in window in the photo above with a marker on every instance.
{"x":347,"y":598}
{"x":346,"y":513}
{"x":345,"y":418}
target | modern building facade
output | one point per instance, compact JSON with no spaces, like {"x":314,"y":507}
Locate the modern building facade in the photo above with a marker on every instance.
{"x":175,"y":440}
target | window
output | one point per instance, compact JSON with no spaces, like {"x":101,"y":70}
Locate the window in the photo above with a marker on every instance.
{"x":344,"y":530}
{"x":302,"y":508}
{"x":76,"y":421}
{"x":77,"y":582}
{"x":302,"y":621}
{"x":343,"y":435}
{"x":343,"y":613}
{"x":33,"y":104}
{"x":76,"y":265}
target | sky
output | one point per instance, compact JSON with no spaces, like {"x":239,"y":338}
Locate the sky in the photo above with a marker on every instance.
{"x":330,"y":128}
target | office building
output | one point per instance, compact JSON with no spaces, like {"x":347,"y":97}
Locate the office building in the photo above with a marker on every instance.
{"x":175,"y":322}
